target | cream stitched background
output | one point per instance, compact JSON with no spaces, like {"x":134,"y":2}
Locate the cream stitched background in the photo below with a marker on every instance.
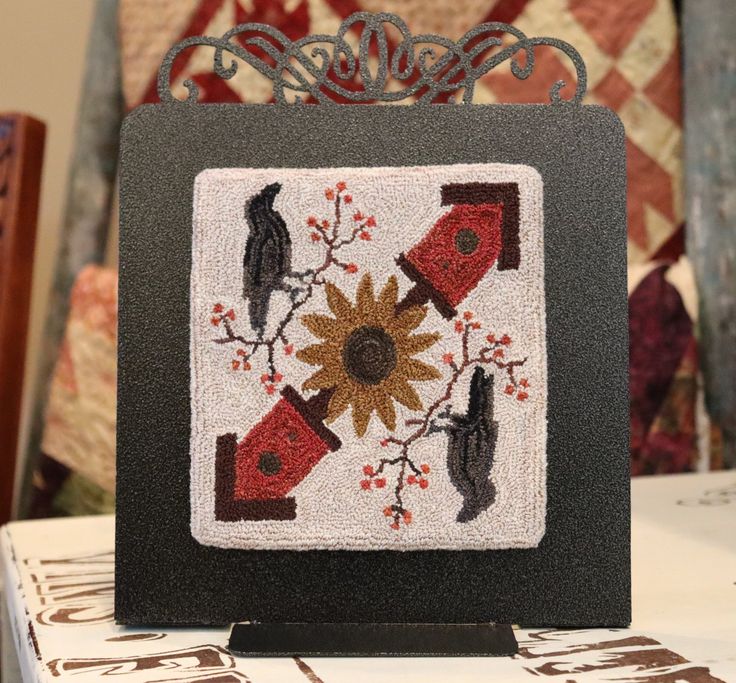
{"x":332,"y":510}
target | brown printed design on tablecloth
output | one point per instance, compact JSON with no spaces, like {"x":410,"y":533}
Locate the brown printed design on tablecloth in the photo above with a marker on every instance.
{"x":33,"y":639}
{"x":626,"y":659}
{"x":198,"y":659}
{"x":712,"y":498}
{"x":74,"y":591}
{"x":339,"y":320}
{"x":223,"y":677}
{"x":135,"y":636}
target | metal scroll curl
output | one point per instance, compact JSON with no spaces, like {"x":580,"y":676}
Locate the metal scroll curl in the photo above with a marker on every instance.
{"x":324,"y":69}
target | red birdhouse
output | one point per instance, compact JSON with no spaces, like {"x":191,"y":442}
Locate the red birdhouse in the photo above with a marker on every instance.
{"x":480,"y":230}
{"x":254,"y":476}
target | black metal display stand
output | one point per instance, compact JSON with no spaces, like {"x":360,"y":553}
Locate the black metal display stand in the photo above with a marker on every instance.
{"x":579,"y":573}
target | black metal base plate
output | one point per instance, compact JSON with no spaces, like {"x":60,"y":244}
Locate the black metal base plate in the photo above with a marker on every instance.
{"x":372,"y":640}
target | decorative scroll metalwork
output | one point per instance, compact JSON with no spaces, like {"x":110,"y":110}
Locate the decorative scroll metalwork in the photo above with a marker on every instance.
{"x":317,"y":68}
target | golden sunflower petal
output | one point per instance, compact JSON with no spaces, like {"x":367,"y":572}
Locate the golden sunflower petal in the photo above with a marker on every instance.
{"x":389,"y":296}
{"x":414,"y":369}
{"x":386,"y":411}
{"x":410,"y":318}
{"x":316,"y":354}
{"x":364,"y":299}
{"x":361,"y":415}
{"x":338,"y":302}
{"x":321,"y":326}
{"x":404,"y":393}
{"x":419,"y":342}
{"x":322,"y":379}
{"x":340,"y":401}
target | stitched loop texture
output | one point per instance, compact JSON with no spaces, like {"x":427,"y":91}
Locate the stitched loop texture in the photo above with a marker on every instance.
{"x":368,"y":358}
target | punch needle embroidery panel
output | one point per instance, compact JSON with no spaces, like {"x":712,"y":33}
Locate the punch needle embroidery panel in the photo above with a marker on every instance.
{"x":368,"y":358}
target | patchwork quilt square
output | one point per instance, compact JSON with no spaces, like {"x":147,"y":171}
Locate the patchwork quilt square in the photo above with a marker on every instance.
{"x":368,"y":358}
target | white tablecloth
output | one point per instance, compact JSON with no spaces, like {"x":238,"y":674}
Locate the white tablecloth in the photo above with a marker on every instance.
{"x":58,"y":578}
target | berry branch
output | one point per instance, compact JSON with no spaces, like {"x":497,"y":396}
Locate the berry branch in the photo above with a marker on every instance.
{"x":335,"y":235}
{"x":492,"y":353}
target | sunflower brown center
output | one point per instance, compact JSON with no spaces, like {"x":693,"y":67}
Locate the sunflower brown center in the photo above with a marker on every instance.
{"x":369,"y":354}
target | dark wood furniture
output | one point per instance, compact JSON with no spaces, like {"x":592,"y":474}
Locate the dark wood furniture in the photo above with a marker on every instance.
{"x":21,"y":155}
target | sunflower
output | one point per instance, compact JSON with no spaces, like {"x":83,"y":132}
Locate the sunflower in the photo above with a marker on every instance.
{"x":366,"y":354}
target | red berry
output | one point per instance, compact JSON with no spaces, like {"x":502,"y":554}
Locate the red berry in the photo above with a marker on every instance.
{"x":289,"y":349}
{"x":351,"y":268}
{"x":505,"y":340}
{"x":509,"y":389}
{"x":380,"y":483}
{"x":365,"y":236}
{"x":217,"y":308}
{"x":475,"y":326}
{"x":468,"y":315}
{"x":325,"y":224}
{"x":348,"y":199}
{"x":341,"y":185}
{"x":368,"y":470}
{"x":395,"y":526}
{"x":459,"y":327}
{"x":371,"y":222}
{"x":522,"y":396}
{"x":425,"y":468}
{"x":278,"y":377}
{"x":215,"y":321}
{"x":329,"y":193}
{"x":240,"y":352}
{"x":423,"y":483}
{"x":231,"y":314}
{"x":365,"y":484}
{"x":311,"y":221}
{"x":315,"y":237}
{"x":388,"y":511}
{"x":264,"y":379}
{"x":491,"y":338}
{"x":270,"y":389}
{"x":384,"y":443}
{"x":236,"y":364}
{"x":357,"y":216}
{"x":447,"y":359}
{"x":407,"y":516}
{"x":498,"y":353}
{"x":246,"y":365}
{"x":524,"y":382}
{"x":411,"y":479}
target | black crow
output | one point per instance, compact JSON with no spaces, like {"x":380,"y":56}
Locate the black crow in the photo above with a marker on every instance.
{"x":267,"y":258}
{"x":470,"y":448}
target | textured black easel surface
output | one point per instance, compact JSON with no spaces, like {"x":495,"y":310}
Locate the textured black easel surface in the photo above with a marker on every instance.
{"x":372,"y":640}
{"x":579,"y":575}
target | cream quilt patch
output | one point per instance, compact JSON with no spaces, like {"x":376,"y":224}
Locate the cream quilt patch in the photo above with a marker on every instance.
{"x":368,"y":358}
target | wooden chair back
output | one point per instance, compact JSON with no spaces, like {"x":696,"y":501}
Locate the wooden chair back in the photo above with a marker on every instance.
{"x":21,"y":156}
